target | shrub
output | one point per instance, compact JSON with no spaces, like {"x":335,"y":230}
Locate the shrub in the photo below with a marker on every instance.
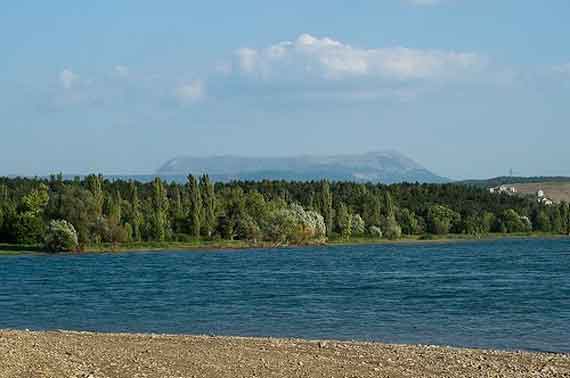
{"x":61,"y":237}
{"x":392,"y":229}
{"x":375,"y":231}
{"x":358,"y":226}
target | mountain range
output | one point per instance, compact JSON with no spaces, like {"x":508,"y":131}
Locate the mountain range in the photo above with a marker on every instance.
{"x":378,"y":167}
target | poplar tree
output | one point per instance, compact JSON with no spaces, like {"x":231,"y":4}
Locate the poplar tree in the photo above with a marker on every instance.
{"x":209,"y":205}
{"x":95,"y":186}
{"x":344,"y":221}
{"x":160,"y":211}
{"x":195,"y":207}
{"x":326,"y":204}
{"x":135,"y":219}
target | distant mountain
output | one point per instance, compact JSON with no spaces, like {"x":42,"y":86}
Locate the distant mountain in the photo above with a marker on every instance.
{"x":379,"y":167}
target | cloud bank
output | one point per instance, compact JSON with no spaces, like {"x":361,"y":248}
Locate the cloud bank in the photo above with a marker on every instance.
{"x":329,"y":59}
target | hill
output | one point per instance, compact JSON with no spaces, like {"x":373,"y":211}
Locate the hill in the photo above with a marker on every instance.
{"x":555,"y":188}
{"x":504,"y":180}
{"x":378,"y":167}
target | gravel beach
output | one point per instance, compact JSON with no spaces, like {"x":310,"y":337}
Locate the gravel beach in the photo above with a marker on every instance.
{"x":92,"y":355}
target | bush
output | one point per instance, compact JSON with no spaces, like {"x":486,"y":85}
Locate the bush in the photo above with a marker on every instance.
{"x":375,"y":231}
{"x":392,"y":229}
{"x":358,"y":226}
{"x":61,"y":237}
{"x":248,"y":229}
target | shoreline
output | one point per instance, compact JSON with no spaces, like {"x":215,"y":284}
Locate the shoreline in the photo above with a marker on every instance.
{"x":114,"y":355}
{"x":238,"y":245}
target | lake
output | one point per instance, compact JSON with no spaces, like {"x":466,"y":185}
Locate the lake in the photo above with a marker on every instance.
{"x":505,"y":294}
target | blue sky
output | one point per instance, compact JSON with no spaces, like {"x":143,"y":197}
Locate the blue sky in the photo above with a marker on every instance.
{"x":468,"y":88}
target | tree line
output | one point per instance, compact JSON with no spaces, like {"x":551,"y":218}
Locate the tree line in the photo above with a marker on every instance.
{"x":71,"y":214}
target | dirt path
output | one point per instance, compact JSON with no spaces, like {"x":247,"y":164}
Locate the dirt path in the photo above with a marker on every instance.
{"x":90,"y":355}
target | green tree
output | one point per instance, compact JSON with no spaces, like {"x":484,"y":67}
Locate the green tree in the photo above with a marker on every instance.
{"x":95,"y":186}
{"x":390,"y":228}
{"x":35,"y":202}
{"x":512,"y":222}
{"x":195,"y":209}
{"x":159,"y":218}
{"x":556,"y":220}
{"x":135,"y":217}
{"x":28,"y":229}
{"x":344,"y":221}
{"x":388,"y":205}
{"x":441,"y":219}
{"x":409,"y":222}
{"x":372,"y":211}
{"x":209,"y":204}
{"x":326,"y":205}
{"x":542,"y":221}
{"x":248,"y":229}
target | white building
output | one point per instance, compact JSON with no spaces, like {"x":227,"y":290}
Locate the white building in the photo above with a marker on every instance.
{"x":542,"y":199}
{"x":504,"y":189}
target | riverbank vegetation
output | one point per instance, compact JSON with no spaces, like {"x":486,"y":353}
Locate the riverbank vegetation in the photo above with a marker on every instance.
{"x":94,"y":213}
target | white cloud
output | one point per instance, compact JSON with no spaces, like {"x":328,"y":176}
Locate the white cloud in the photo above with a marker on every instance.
{"x":328,"y":59}
{"x":121,"y":70}
{"x":67,"y":78}
{"x":248,"y":59}
{"x":190,"y":93}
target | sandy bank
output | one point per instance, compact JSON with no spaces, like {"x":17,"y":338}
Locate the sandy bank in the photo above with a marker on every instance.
{"x":72,"y":354}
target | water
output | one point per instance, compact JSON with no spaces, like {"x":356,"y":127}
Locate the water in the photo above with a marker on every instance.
{"x":510,"y":294}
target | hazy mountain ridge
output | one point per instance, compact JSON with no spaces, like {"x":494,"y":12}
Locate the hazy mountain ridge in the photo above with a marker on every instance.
{"x":380,"y":166}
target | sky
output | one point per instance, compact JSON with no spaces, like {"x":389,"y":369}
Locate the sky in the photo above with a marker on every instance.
{"x":468,"y":88}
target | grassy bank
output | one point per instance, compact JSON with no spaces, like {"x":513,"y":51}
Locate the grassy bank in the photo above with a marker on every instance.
{"x":10,"y":249}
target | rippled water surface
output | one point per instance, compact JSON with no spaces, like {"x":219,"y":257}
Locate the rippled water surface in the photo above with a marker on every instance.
{"x":510,"y":294}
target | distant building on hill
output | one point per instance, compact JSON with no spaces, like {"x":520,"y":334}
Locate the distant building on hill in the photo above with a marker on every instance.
{"x":542,"y":199}
{"x":504,"y":189}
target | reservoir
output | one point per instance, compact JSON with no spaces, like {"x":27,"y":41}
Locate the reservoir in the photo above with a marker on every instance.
{"x":503,"y":294}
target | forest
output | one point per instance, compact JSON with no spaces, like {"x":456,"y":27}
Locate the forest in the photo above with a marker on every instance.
{"x":70,"y":215}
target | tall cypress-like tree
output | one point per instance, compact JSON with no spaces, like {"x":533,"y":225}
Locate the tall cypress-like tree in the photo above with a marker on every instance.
{"x":195,"y":207}
{"x":326,"y":204}
{"x":343,"y":221}
{"x":3,"y":193}
{"x":95,"y":186}
{"x":136,"y":218}
{"x":209,"y":205}
{"x":115,"y":211}
{"x":160,"y":211}
{"x":388,"y":204}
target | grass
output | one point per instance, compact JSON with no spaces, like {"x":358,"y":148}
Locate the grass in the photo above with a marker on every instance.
{"x":10,"y":249}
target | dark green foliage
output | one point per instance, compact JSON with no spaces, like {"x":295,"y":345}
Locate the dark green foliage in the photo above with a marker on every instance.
{"x":511,"y":222}
{"x":441,"y":219}
{"x":326,"y":205}
{"x":409,"y":222}
{"x":209,"y":203}
{"x":28,"y":229}
{"x":343,"y":221}
{"x":274,"y":211}
{"x":195,"y":210}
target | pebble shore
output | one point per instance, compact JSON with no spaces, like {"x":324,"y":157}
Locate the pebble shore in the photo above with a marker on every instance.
{"x":92,"y":355}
